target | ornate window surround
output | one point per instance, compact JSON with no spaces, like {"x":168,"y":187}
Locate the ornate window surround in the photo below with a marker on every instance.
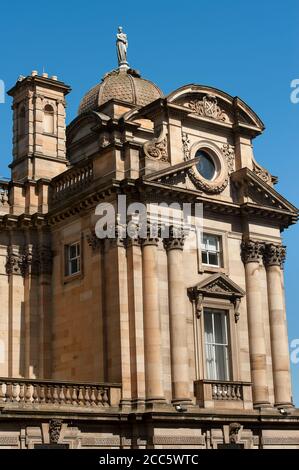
{"x":217,"y":291}
{"x":220,"y":181}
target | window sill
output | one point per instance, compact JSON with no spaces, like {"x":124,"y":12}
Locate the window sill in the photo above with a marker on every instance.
{"x":72,"y":277}
{"x":206,"y":268}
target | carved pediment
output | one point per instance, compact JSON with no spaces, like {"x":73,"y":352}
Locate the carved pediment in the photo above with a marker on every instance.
{"x":253,"y":190}
{"x":220,"y":286}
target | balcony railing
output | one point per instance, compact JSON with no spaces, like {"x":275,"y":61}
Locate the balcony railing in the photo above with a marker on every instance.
{"x":50,"y":392}
{"x":224,"y":394}
{"x":71,"y":182}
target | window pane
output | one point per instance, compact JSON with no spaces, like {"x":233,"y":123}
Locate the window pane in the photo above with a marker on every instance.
{"x":204,"y":257}
{"x":210,"y":362}
{"x":220,"y":328}
{"x":72,"y":251}
{"x":208,"y":323}
{"x":221,"y":359}
{"x":213,"y":243}
{"x":74,"y":266}
{"x":214,"y":259}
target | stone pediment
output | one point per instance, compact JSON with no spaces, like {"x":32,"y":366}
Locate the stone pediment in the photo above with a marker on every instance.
{"x":219,"y":284}
{"x":253,"y":191}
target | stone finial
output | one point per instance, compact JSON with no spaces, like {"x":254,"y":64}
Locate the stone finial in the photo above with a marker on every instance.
{"x":252,"y":251}
{"x":274,"y":255}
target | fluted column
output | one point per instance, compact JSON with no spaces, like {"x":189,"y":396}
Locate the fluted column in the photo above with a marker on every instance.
{"x":177,"y":311}
{"x":252,"y":253}
{"x":274,"y":258}
{"x":151,"y":318}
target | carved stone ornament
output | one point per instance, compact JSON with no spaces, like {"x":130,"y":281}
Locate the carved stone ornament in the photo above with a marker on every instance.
{"x":93,"y":241}
{"x":217,"y":286}
{"x":29,"y":261}
{"x":252,"y":251}
{"x":55,"y":426}
{"x":229,"y":155}
{"x":176,"y":239}
{"x":234,"y":430}
{"x":274,"y":255}
{"x":208,"y":107}
{"x":104,"y":140}
{"x":262,"y":173}
{"x":186,"y":146}
{"x":211,"y":187}
{"x":157,"y":148}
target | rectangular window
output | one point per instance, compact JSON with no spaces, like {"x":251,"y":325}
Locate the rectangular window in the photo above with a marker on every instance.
{"x":216,"y":344}
{"x":73,"y":259}
{"x":211,"y":250}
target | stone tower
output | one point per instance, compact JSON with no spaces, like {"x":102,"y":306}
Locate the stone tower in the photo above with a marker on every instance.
{"x":38,"y":127}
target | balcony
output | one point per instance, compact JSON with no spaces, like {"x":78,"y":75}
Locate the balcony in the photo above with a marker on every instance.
{"x":71,"y":182}
{"x":223,"y":395}
{"x":50,"y":395}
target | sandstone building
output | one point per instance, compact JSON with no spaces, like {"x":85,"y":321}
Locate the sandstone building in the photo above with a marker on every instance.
{"x":130,"y":342}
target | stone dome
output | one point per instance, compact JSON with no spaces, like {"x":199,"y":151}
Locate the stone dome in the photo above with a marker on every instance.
{"x":124,"y":85}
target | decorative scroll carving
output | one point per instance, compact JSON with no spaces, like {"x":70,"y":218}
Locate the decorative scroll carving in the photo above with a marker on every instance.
{"x":229,"y":155}
{"x":157,"y":148}
{"x":186,"y":146}
{"x":274,"y":255}
{"x":55,"y":426}
{"x":262,"y":173}
{"x":208,"y":107}
{"x":252,"y":251}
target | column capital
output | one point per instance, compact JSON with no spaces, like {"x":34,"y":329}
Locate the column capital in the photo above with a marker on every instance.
{"x":176,"y":239}
{"x":274,"y":255}
{"x":252,"y":251}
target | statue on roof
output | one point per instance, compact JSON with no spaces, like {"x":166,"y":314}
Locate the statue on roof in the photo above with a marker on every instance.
{"x":122,"y":46}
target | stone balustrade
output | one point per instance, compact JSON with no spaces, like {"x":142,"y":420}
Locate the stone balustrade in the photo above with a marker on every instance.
{"x":49,"y":392}
{"x":70,"y":182}
{"x":227,"y":391}
{"x":212,"y":393}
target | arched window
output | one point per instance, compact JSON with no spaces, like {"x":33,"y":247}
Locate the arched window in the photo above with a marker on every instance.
{"x":48,"y":119}
{"x":22,"y":121}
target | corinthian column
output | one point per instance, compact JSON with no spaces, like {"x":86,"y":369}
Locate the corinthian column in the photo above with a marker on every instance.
{"x":178,"y":327}
{"x":252,"y":253}
{"x":274,"y":258}
{"x":151,"y":319}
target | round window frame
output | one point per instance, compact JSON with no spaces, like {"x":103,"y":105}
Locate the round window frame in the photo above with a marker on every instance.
{"x":220,"y":178}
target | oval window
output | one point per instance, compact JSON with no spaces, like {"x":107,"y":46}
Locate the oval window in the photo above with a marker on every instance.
{"x":205,"y":165}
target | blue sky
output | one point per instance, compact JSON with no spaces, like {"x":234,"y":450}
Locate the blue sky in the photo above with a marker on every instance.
{"x":249,"y":49}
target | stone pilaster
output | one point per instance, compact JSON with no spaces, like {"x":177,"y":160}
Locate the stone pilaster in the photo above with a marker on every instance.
{"x":274,"y":257}
{"x":252,"y":254}
{"x":151,"y":318}
{"x":177,"y":312}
